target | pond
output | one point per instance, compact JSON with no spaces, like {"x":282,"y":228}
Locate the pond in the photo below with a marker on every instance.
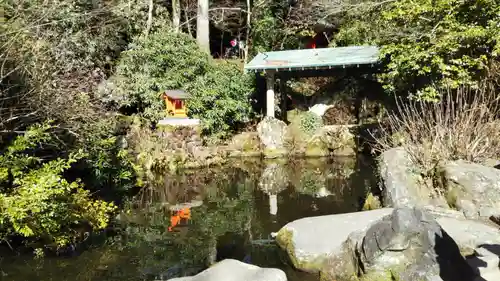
{"x":181,"y":224}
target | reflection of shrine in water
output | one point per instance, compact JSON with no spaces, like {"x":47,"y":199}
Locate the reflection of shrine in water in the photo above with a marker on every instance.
{"x":180,"y":214}
{"x":231,"y":212}
{"x":227,"y":212}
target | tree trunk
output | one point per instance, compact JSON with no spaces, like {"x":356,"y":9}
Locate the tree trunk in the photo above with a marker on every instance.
{"x":188,"y":21}
{"x":149,"y":23}
{"x":202,"y":26}
{"x":247,"y":40}
{"x":176,"y":14}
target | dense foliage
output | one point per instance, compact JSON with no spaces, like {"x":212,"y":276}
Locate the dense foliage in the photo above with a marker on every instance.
{"x":429,"y":45}
{"x":164,"y":60}
{"x":220,"y":93}
{"x":221,"y":99}
{"x":54,"y":55}
{"x":38,"y":202}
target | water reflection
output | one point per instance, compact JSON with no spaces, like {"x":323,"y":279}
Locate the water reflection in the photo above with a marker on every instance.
{"x":183,"y":223}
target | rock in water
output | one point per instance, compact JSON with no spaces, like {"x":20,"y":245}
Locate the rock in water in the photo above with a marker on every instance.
{"x":400,"y":185}
{"x":472,"y":188}
{"x":274,"y":178}
{"x":272,"y":133}
{"x":405,"y":244}
{"x":309,"y":242}
{"x":233,"y":270}
{"x":245,"y":144}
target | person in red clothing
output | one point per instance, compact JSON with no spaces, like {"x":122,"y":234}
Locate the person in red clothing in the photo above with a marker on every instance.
{"x":319,"y":40}
{"x":311,"y":44}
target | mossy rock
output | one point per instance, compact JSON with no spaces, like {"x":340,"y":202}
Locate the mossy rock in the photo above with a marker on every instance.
{"x":340,"y":140}
{"x":284,"y":239}
{"x":291,"y":115}
{"x":274,"y":153}
{"x":246,"y":144}
{"x":316,"y":148}
{"x":389,"y":274}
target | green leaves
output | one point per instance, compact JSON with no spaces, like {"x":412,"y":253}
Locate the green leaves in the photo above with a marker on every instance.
{"x":41,"y":204}
{"x":429,"y":45}
{"x":221,"y":99}
{"x":220,"y":93}
{"x":164,"y":60}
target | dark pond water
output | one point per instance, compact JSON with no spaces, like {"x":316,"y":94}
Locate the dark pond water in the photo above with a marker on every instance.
{"x":227,"y":212}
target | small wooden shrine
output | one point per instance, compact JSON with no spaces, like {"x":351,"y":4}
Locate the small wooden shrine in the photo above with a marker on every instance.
{"x":175,"y":101}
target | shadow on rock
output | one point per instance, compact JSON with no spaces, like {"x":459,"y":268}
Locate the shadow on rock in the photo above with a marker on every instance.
{"x":452,"y":266}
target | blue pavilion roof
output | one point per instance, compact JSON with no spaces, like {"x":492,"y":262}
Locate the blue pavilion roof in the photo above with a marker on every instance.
{"x":322,"y":58}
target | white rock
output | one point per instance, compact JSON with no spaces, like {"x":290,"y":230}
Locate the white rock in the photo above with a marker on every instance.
{"x":233,"y":270}
{"x":320,"y":109}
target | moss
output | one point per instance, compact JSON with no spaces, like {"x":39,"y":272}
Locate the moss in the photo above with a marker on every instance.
{"x":372,"y":202}
{"x":166,"y":128}
{"x":326,"y":277}
{"x":452,"y":197}
{"x":285,"y":240}
{"x":291,"y":115}
{"x":274,"y":153}
{"x":466,"y":251}
{"x":316,"y":148}
{"x":389,"y":274}
{"x":386,"y":275}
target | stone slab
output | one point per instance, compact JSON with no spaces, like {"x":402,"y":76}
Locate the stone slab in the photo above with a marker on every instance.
{"x":316,"y":238}
{"x":233,"y":270}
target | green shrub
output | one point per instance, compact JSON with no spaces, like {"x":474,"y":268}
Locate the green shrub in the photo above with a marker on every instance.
{"x":221,"y":99}
{"x":166,"y":60}
{"x":310,"y":123}
{"x":38,"y":203}
{"x":108,"y":166}
{"x":161,"y":61}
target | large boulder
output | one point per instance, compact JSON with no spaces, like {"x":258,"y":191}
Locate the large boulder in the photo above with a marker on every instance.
{"x":246,"y":144}
{"x":310,"y":242}
{"x":406,"y":244}
{"x":272,"y":133}
{"x":233,"y":270}
{"x":340,"y":139}
{"x":470,"y":235}
{"x":400,"y":185}
{"x":411,"y":245}
{"x":472,"y":188}
{"x":316,"y":147}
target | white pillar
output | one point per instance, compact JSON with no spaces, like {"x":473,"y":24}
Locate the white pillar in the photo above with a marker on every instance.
{"x":273,"y":204}
{"x":270,"y":94}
